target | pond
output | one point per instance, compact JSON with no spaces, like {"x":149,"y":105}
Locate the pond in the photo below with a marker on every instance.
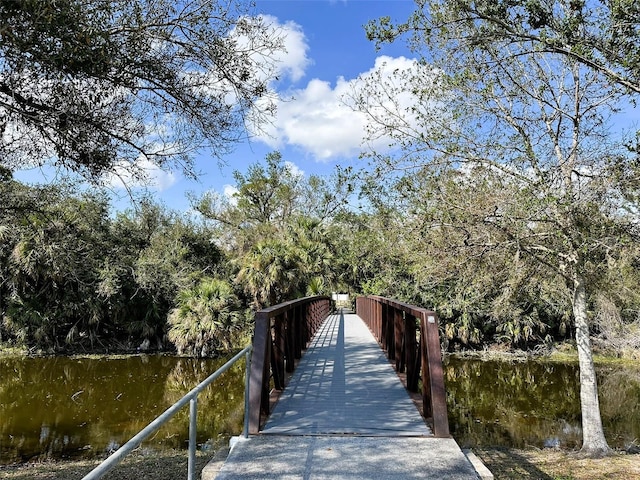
{"x":536,"y":403}
{"x":59,"y":407}
{"x":64,"y":407}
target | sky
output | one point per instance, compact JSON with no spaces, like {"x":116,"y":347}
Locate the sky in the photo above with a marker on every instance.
{"x":327,"y":50}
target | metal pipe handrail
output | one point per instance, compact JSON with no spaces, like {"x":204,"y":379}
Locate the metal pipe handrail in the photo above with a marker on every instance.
{"x":192,"y":398}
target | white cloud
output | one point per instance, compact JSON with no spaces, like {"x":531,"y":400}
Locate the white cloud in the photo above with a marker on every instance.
{"x":143,"y":174}
{"x":294,"y":169}
{"x":229,"y":191}
{"x":294,"y":60}
{"x":318,"y":119}
{"x":290,"y":62}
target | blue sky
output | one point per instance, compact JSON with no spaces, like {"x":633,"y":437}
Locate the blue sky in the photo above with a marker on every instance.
{"x":327,"y":49}
{"x":326,"y":52}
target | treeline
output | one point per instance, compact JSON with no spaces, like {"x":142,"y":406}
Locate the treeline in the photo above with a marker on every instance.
{"x":75,"y":276}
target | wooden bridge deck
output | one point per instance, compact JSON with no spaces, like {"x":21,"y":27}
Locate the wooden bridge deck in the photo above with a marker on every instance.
{"x":345,"y":415}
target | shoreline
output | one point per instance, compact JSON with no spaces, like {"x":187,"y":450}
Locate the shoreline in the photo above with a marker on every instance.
{"x":504,"y":463}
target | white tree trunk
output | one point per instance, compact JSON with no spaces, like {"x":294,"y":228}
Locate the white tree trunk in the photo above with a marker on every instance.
{"x":594,"y":443}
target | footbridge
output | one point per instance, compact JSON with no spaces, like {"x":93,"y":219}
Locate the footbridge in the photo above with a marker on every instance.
{"x":337,"y":394}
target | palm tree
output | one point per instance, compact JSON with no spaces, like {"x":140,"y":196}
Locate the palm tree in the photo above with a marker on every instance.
{"x":206,"y":319}
{"x":271,"y":272}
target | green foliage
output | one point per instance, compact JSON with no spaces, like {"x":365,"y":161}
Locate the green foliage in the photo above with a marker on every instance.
{"x":207,"y":318}
{"x":50,"y":264}
{"x":603,"y":36}
{"x":271,"y":272}
{"x":94,"y":86}
{"x":73,"y":277}
{"x":275,"y":229}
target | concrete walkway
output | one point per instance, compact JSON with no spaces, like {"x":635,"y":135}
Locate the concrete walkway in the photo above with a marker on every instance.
{"x":345,"y":415}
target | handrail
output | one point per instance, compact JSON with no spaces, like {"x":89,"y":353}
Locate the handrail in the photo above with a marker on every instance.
{"x":191,"y":397}
{"x":281,"y":332}
{"x":409,"y":335}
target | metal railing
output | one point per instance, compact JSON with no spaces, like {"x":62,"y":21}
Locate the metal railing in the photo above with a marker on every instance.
{"x":409,"y":335}
{"x":191,"y":398}
{"x":281,"y":333}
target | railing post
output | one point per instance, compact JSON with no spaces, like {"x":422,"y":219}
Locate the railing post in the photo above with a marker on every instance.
{"x":290,"y":336}
{"x":193,"y":430}
{"x":390,"y":340}
{"x":260,"y":357}
{"x":438,"y":395}
{"x":278,"y":352}
{"x":412,"y":357}
{"x":298,"y":344}
{"x":399,"y":337}
{"x":378,"y":319}
{"x":247,"y":373}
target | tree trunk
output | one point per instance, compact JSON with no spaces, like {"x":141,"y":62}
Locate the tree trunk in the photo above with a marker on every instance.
{"x":594,"y":443}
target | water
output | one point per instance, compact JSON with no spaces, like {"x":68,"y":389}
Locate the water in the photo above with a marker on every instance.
{"x":516,"y":404}
{"x":85,"y":407}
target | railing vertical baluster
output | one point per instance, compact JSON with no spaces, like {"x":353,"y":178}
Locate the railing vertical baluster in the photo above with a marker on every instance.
{"x":193,"y":430}
{"x":247,"y":373}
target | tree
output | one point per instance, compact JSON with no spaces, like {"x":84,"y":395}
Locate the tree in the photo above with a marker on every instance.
{"x":271,"y":272}
{"x":529,"y":126}
{"x":266,"y":198}
{"x":98,"y":87}
{"x":154,"y":254}
{"x":206,"y":318}
{"x":275,"y":226}
{"x":49,"y":264}
{"x":602,"y":35}
{"x":72,"y":277}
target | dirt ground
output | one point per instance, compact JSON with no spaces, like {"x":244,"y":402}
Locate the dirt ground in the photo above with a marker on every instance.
{"x":550,"y":464}
{"x":168,"y":465}
{"x":505,"y":464}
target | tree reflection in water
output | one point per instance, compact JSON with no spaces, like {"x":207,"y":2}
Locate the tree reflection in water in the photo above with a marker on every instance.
{"x":60,"y":407}
{"x":520,"y":403}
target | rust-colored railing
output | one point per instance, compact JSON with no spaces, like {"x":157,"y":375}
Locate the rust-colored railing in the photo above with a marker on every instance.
{"x":281,"y":333}
{"x":409,"y":335}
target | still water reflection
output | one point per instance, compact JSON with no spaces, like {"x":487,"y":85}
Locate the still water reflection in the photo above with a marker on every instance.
{"x":536,"y":403}
{"x":71,"y":407}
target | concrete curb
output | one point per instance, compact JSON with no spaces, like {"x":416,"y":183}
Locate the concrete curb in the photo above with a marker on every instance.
{"x":481,"y":469}
{"x":211,"y":469}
